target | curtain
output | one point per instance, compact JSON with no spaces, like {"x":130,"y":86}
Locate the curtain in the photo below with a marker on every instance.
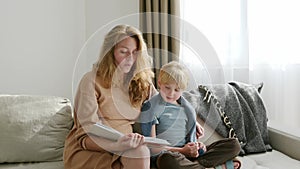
{"x":160,"y":27}
{"x":220,"y":25}
{"x":255,"y":43}
{"x":275,"y":57}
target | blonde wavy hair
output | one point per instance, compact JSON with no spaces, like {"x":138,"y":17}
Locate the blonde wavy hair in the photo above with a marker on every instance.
{"x":139,"y":79}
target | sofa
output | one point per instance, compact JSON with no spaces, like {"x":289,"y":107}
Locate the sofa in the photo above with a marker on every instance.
{"x":236,"y":109}
{"x":285,"y":153}
{"x":33,"y":129}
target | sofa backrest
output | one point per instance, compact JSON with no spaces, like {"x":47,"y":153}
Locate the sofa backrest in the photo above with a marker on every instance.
{"x":33,"y":128}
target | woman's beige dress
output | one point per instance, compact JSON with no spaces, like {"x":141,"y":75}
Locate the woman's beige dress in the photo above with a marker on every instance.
{"x":92,"y":104}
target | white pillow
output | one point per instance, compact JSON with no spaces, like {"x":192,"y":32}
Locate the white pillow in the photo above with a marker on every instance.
{"x":33,"y":128}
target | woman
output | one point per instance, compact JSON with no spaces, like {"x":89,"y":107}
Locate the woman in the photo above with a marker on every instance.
{"x":112,"y":94}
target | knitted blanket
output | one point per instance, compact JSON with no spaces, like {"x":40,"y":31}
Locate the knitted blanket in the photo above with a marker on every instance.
{"x":234,"y":110}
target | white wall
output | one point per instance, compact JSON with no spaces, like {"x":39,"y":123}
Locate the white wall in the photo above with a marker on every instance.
{"x":41,"y":39}
{"x":100,"y":18}
{"x":99,"y":14}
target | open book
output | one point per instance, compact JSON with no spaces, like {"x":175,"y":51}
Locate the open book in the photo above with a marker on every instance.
{"x":112,"y":134}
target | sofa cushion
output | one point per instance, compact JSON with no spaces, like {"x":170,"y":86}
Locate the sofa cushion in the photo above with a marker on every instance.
{"x":36,"y":165}
{"x":269,"y":160}
{"x":33,"y":128}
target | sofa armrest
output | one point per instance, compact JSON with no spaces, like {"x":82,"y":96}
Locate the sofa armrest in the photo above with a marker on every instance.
{"x":285,"y":142}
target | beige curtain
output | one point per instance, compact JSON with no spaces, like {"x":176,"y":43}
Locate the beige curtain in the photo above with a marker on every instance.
{"x":160,"y":25}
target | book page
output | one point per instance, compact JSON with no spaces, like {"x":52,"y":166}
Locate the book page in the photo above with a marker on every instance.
{"x":107,"y":132}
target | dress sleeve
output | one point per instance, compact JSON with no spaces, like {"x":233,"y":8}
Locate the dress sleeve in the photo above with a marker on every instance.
{"x":85,"y":106}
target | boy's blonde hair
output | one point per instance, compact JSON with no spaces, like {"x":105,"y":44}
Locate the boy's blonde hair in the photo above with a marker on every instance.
{"x":174,"y":72}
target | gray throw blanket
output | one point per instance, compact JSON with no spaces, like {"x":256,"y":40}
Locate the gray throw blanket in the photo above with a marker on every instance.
{"x":243,"y":109}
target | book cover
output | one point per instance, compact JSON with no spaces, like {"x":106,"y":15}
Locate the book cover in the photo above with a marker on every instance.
{"x":107,"y":132}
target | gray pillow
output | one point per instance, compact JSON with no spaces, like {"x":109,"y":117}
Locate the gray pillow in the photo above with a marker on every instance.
{"x":33,"y":128}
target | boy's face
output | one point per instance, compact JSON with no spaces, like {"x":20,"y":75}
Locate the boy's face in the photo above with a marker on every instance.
{"x":170,"y":92}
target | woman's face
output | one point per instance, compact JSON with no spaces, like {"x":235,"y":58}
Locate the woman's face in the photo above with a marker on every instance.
{"x":125,"y":54}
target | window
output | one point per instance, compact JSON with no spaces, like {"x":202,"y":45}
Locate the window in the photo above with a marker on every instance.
{"x":274,"y":35}
{"x":255,"y":41}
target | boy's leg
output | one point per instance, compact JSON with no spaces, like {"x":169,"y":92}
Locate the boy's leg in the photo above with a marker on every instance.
{"x":219,"y":152}
{"x":176,"y":160}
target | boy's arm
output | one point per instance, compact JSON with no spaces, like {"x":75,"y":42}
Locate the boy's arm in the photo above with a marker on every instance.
{"x":153,"y":134}
{"x":199,"y":130}
{"x":153,"y":131}
{"x":189,"y":150}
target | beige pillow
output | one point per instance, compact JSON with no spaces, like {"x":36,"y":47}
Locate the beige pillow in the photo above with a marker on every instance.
{"x":33,"y":128}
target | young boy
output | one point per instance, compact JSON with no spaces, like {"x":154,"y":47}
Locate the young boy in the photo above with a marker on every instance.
{"x":168,"y":115}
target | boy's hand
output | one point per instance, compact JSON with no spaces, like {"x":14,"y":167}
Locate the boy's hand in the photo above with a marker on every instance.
{"x":201,"y":146}
{"x":199,"y":130}
{"x":190,"y":150}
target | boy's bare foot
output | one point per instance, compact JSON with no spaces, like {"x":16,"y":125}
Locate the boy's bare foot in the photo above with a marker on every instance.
{"x":236,"y":164}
